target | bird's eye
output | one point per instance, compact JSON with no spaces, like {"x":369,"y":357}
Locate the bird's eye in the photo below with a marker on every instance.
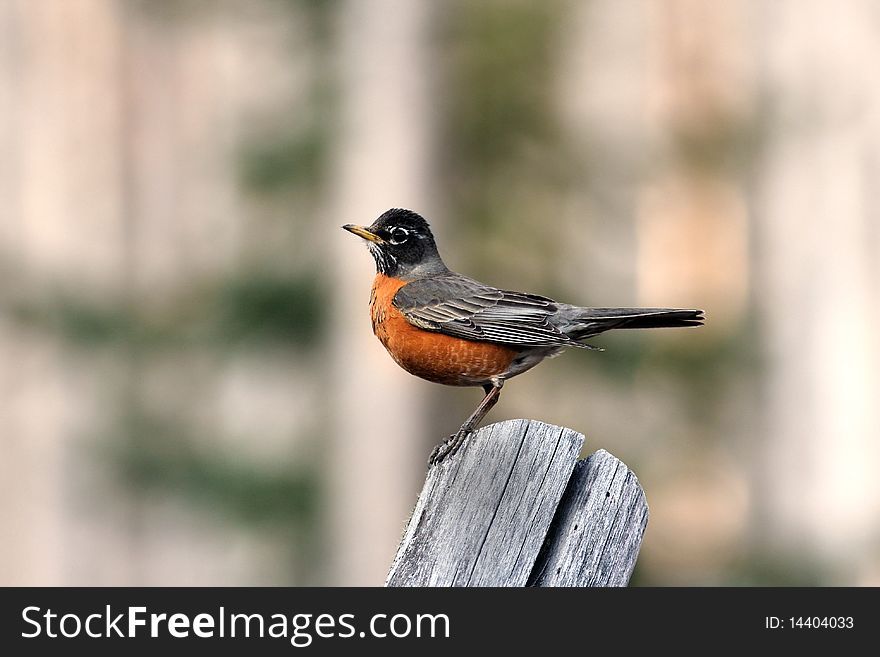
{"x":399,"y":235}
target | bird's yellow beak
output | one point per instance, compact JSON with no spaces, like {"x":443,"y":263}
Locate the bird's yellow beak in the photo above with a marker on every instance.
{"x":365,"y":233}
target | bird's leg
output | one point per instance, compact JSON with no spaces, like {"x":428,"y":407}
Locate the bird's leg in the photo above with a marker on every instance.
{"x":493,"y":392}
{"x":451,"y":445}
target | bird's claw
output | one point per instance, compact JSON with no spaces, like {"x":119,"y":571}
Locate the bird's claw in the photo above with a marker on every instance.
{"x":447,"y":448}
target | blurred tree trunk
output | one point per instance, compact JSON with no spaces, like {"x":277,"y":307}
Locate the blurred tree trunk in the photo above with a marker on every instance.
{"x":61,"y":221}
{"x":118,"y":129}
{"x":819,"y":247}
{"x":693,"y":224}
{"x":385,"y":149}
{"x":692,"y":250}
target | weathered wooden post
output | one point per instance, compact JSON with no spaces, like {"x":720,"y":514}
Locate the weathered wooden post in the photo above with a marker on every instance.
{"x":515,"y":507}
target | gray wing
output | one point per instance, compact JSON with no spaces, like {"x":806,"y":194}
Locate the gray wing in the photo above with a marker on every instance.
{"x":464,"y":308}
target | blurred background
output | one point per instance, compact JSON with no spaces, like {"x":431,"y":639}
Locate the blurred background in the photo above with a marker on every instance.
{"x":190,"y":392}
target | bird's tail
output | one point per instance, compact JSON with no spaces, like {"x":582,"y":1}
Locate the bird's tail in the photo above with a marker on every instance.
{"x":592,"y":321}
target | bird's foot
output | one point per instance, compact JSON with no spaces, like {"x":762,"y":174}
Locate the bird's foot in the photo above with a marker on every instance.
{"x":448,"y":447}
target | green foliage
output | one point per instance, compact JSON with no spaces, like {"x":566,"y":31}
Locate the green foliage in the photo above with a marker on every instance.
{"x":161,"y":455}
{"x":727,"y":146}
{"x":504,"y":157}
{"x":269,"y":310}
{"x":253,"y":310}
{"x":76,"y":320}
{"x":320,"y":15}
{"x":763,"y":568}
{"x":704,"y":361}
{"x":502,"y":80}
{"x":285,"y":163}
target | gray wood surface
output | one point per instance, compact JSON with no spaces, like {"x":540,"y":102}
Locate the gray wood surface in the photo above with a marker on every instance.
{"x":514,"y":507}
{"x":483,"y":514}
{"x":595,"y":537}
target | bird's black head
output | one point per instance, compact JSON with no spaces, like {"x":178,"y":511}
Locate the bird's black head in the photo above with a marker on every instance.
{"x":402,"y":245}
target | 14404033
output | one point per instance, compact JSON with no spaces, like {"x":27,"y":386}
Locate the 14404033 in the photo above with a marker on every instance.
{"x":809,"y":622}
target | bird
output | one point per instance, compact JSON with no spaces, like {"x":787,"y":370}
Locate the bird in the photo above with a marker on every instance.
{"x":450,"y":329}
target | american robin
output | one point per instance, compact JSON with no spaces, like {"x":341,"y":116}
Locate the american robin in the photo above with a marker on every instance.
{"x":450,"y":329}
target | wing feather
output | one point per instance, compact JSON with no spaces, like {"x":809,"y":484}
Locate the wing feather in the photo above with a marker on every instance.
{"x":464,"y":308}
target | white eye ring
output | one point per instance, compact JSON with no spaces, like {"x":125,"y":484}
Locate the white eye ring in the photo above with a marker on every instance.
{"x":399,"y":235}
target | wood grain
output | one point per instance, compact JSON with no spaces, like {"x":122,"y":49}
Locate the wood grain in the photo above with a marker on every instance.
{"x":483,"y":514}
{"x":595,"y":537}
{"x":514,"y":507}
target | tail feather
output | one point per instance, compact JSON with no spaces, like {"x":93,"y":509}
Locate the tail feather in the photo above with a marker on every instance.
{"x":592,"y":321}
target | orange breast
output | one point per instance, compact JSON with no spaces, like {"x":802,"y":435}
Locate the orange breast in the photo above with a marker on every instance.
{"x":433,"y":356}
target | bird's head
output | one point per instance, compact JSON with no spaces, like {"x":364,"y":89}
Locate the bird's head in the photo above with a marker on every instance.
{"x":402,"y":245}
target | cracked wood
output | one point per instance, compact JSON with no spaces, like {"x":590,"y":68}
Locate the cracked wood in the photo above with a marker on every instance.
{"x":514,"y":507}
